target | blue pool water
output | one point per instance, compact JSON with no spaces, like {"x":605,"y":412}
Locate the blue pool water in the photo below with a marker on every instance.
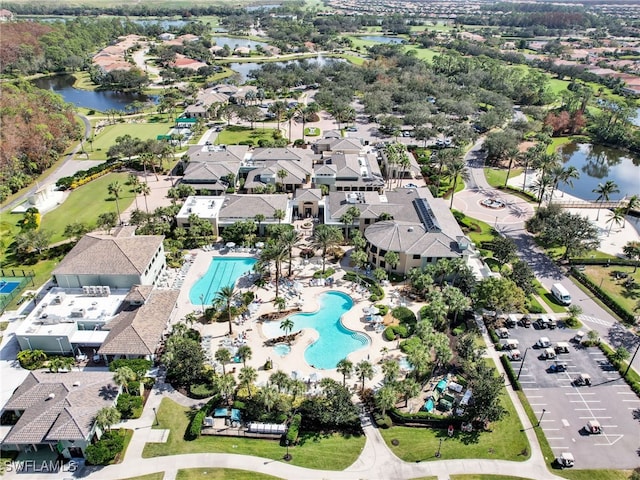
{"x":335,"y":341}
{"x":221,"y":273}
{"x":281,"y":349}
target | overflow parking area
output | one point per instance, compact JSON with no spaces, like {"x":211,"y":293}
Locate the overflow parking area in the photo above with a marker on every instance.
{"x":563,"y":408}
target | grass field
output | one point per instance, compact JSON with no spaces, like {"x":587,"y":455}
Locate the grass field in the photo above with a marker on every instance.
{"x":497,"y":176}
{"x":549,"y":299}
{"x":355,"y":59}
{"x":325,"y":452}
{"x":557,"y":143}
{"x":425,"y":54}
{"x":220,"y":474}
{"x":107,"y":137}
{"x":234,"y":135}
{"x":74,"y":208}
{"x":506,"y":441}
{"x":477,"y":230}
{"x":602,"y":275}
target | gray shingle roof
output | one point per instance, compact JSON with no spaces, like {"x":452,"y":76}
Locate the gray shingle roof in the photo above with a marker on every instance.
{"x":59,"y":406}
{"x":247,"y":206}
{"x":99,"y":254}
{"x":137,"y":329}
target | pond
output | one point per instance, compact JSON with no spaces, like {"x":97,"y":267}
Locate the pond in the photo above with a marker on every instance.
{"x":245,"y":68}
{"x":598,"y":164}
{"x":166,"y":24}
{"x":381,"y":39}
{"x":97,"y":100}
{"x":236,"y":42}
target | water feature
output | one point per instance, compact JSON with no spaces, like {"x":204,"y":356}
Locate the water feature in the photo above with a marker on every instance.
{"x":335,"y":341}
{"x":245,"y":68}
{"x":166,"y":24}
{"x":102,"y":100}
{"x":598,"y":164}
{"x":233,"y":42}
{"x":222,"y":272}
{"x":281,"y":349}
{"x":381,"y":39}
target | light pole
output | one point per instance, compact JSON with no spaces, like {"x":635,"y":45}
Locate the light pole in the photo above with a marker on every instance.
{"x":155,"y":415}
{"x":439,"y":448}
{"x":287,"y":456}
{"x":631,"y":361}
{"x":541,"y":415}
{"x":522,"y":364}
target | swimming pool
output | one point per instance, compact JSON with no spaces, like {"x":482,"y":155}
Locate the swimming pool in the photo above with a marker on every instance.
{"x":335,"y":341}
{"x":281,"y":349}
{"x":222,"y":272}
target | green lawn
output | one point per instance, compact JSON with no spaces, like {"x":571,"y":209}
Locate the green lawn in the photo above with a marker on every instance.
{"x":355,"y":59}
{"x":426,"y":54}
{"x":497,"y":176}
{"x":108,"y":135}
{"x":220,"y":474}
{"x":234,"y":135}
{"x":325,"y":452}
{"x":557,"y":86}
{"x":558,"y":142}
{"x":74,"y":208}
{"x":477,"y":230}
{"x":312,"y":131}
{"x":549,"y":299}
{"x":604,"y":276}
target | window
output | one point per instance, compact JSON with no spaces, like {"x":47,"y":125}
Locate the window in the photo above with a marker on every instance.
{"x":374,"y":249}
{"x":382,"y":264}
{"x":367,"y":221}
{"x":416,"y":256}
{"x":429,"y":259}
{"x":383,"y":253}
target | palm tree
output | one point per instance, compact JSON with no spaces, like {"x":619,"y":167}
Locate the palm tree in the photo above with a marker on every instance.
{"x":410,"y":388}
{"x":122,"y":376}
{"x":344,"y":367}
{"x":296,"y":388}
{"x":282,"y":174}
{"x":541,"y":187}
{"x":273,"y":252}
{"x":632,"y":204}
{"x":364,"y":370}
{"x":390,"y":370}
{"x":385,"y":398}
{"x":616,"y":216}
{"x":455,"y":170}
{"x":269,"y":396}
{"x":280,"y":303}
{"x":106,"y":417}
{"x":115,"y":189}
{"x":259,"y":218}
{"x":278,"y":108}
{"x":226,"y":296}
{"x":324,"y":238}
{"x":279,"y":215}
{"x":632,"y":251}
{"x":392,"y":258}
{"x":288,"y":240}
{"x":512,"y":154}
{"x":226,"y":384}
{"x":145,"y":190}
{"x":244,"y":353}
{"x":223,"y":356}
{"x":280,"y":380}
{"x":604,"y":191}
{"x":247,"y":376}
{"x":286,"y":326}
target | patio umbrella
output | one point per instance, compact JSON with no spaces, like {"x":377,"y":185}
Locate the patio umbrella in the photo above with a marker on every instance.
{"x":230,"y":244}
{"x":315,"y":377}
{"x":259,"y":244}
{"x":295,"y":375}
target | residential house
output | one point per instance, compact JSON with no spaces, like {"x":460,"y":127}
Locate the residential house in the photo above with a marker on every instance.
{"x":57,"y":411}
{"x":210,"y":167}
{"x":349,"y":172}
{"x":205,"y":100}
{"x":264,"y":166}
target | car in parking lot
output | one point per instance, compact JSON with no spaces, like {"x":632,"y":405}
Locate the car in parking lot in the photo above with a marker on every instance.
{"x":543,"y":342}
{"x":547,"y":354}
{"x":526,"y":321}
{"x":514,"y":355}
{"x":582,"y":379}
{"x":543,"y":322}
{"x":502,"y":332}
{"x":557,"y":367}
{"x":352,"y":129}
{"x":565,"y":460}
{"x":593,"y":427}
{"x":561,"y":347}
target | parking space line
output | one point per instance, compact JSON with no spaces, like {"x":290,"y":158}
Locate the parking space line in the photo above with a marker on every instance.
{"x":578,"y":393}
{"x":551,"y":429}
{"x":624,"y":393}
{"x":634,"y":400}
{"x":565,"y":422}
{"x":560,"y":447}
{"x":589,"y":409}
{"x":555,"y":438}
{"x":536,"y":396}
{"x":584,"y":401}
{"x":609,"y":426}
{"x":594,"y":416}
{"x":537,"y":404}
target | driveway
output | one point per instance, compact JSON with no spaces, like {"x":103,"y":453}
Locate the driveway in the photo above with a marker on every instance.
{"x":510,"y":222}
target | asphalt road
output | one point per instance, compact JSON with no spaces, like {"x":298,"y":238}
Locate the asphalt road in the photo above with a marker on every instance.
{"x":547,"y":272}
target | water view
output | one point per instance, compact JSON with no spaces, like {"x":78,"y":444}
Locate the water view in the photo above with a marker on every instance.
{"x":598,"y":164}
{"x":166,"y":24}
{"x":245,"y":68}
{"x":236,"y":42}
{"x":97,"y":100}
{"x":381,"y":39}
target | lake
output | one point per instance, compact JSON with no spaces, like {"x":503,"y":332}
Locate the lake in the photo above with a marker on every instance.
{"x":381,"y":39}
{"x":598,"y":164}
{"x":245,"y":68}
{"x":166,"y":24}
{"x":97,"y":100}
{"x":236,"y":42}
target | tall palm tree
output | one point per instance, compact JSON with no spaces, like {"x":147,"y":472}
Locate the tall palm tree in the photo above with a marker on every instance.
{"x":279,"y":214}
{"x":282,"y":174}
{"x":225,"y":297}
{"x":324,"y":238}
{"x":122,"y":376}
{"x":244,"y":353}
{"x":386,"y":397}
{"x":288,"y":240}
{"x":604,"y":191}
{"x":632,"y":204}
{"x":457,"y":169}
{"x":259,"y":218}
{"x":364,"y":370}
{"x":616,"y":216}
{"x":145,"y":190}
{"x":344,"y":367}
{"x":286,"y":325}
{"x":269,"y":396}
{"x":226,"y":384}
{"x":390,"y":370}
{"x":512,"y":155}
{"x":632,"y":251}
{"x":115,"y":189}
{"x":280,"y":303}
{"x":541,"y":187}
{"x":410,"y":388}
{"x":247,"y":376}
{"x":278,"y":108}
{"x":280,"y":380}
{"x":274,"y":253}
{"x":223,"y":356}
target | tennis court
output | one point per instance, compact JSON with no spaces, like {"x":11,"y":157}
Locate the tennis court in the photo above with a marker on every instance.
{"x":8,"y":286}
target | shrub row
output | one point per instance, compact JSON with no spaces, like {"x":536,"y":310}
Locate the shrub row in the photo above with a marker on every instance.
{"x":422,"y":419}
{"x":85,"y":176}
{"x":382,"y":421}
{"x":129,"y":406}
{"x":201,"y":390}
{"x":138,"y":365}
{"x":602,"y":261}
{"x":399,"y":330}
{"x":195,"y":427}
{"x":622,"y":312}
{"x":518,"y":190}
{"x":327,"y":273}
{"x":513,"y":378}
{"x":294,"y":429}
{"x":632,"y":379}
{"x":494,"y":336}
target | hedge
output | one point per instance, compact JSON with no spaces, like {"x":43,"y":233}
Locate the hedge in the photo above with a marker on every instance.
{"x":129,"y":406}
{"x":201,"y":390}
{"x":422,"y":419}
{"x":494,"y":336}
{"x":513,"y":378}
{"x":399,"y":330}
{"x":382,"y":421}
{"x":85,"y":176}
{"x":632,"y":378}
{"x":618,"y":309}
{"x":195,"y":427}
{"x":105,"y":449}
{"x":328,"y":272}
{"x":294,"y":429}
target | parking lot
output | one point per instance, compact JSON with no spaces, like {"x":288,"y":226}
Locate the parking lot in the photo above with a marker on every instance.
{"x":564,"y":408}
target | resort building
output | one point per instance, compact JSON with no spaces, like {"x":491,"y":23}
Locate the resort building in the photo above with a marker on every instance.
{"x":225,"y":211}
{"x":410,"y":170}
{"x":328,"y":146}
{"x":205,"y":100}
{"x":56,"y":411}
{"x":117,"y":261}
{"x":211,"y":167}
{"x":407,"y":221}
{"x":287,"y":168}
{"x":349,"y":172}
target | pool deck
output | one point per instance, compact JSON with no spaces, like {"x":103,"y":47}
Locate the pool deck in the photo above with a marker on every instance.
{"x":252,"y":328}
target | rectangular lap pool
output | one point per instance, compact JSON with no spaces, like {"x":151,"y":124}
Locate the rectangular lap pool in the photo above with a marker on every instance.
{"x":221,"y":273}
